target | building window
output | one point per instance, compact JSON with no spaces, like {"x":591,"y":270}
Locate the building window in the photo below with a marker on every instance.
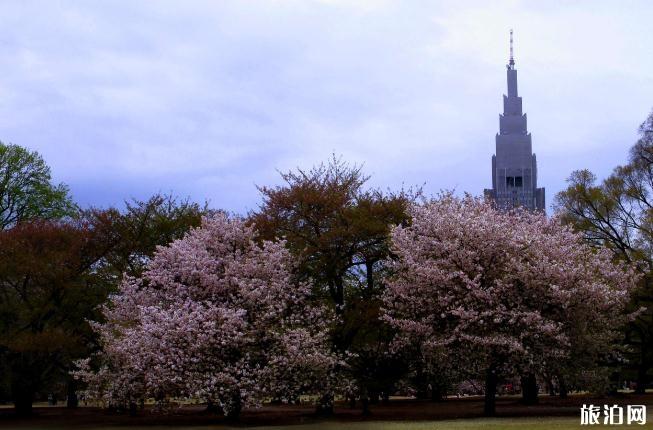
{"x":514,"y":181}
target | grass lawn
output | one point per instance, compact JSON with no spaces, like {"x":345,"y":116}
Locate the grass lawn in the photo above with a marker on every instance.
{"x":401,"y":414}
{"x":555,"y":423}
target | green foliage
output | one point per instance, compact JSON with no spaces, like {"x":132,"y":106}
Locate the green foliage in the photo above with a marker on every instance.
{"x":47,"y":293}
{"x":134,"y":234}
{"x":372,"y":363}
{"x":339,"y":233}
{"x":54,"y":274}
{"x":332,"y":224}
{"x":26,"y":190}
{"x":617,"y":213}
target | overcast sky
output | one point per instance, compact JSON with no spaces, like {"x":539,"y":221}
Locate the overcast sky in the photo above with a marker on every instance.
{"x":207,"y":99}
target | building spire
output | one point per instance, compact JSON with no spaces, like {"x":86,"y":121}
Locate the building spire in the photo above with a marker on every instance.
{"x":514,"y":165}
{"x":511,"y":62}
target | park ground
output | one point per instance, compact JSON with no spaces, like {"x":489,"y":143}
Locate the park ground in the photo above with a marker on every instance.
{"x":401,"y":414}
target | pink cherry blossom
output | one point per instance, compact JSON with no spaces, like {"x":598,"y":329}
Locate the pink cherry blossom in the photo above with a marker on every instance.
{"x":503,"y":292}
{"x":216,"y":317}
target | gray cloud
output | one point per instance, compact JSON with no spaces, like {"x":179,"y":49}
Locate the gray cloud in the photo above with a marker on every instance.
{"x":207,"y":99}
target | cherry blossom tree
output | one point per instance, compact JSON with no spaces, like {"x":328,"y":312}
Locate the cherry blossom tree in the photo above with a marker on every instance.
{"x":501,"y":293}
{"x":216,"y":317}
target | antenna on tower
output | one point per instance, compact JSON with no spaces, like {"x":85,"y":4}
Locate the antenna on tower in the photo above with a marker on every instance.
{"x":511,"y":63}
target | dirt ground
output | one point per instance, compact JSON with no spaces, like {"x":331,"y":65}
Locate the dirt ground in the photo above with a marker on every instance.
{"x":278,"y":415}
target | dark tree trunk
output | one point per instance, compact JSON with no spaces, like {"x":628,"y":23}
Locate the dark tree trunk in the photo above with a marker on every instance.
{"x":336,"y":283}
{"x":365,"y":402}
{"x":23,"y":396}
{"x":490,"y":407}
{"x":550,"y":387}
{"x":369,"y":269}
{"x":563,"y":387}
{"x":642,"y":371}
{"x":421,"y":385}
{"x":72,"y":401}
{"x":339,"y":298}
{"x":324,"y":407}
{"x":352,"y":401}
{"x":212,"y":407}
{"x":529,"y":389}
{"x":437,"y":393}
{"x":615,"y":379}
{"x":23,"y":404}
{"x":233,"y":410}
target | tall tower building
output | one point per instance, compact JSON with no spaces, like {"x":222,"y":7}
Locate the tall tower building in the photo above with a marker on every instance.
{"x":514,"y":166}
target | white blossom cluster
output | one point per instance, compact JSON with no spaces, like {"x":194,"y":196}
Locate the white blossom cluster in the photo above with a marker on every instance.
{"x":216,"y":317}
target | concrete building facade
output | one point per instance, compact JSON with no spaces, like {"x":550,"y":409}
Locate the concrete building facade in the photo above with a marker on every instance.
{"x":514,"y":165}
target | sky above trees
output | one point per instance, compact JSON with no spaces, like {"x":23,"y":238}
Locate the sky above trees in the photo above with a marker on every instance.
{"x":208,"y":99}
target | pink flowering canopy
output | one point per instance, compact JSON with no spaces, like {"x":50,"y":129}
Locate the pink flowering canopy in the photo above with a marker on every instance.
{"x":216,"y":317}
{"x":511,"y":291}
